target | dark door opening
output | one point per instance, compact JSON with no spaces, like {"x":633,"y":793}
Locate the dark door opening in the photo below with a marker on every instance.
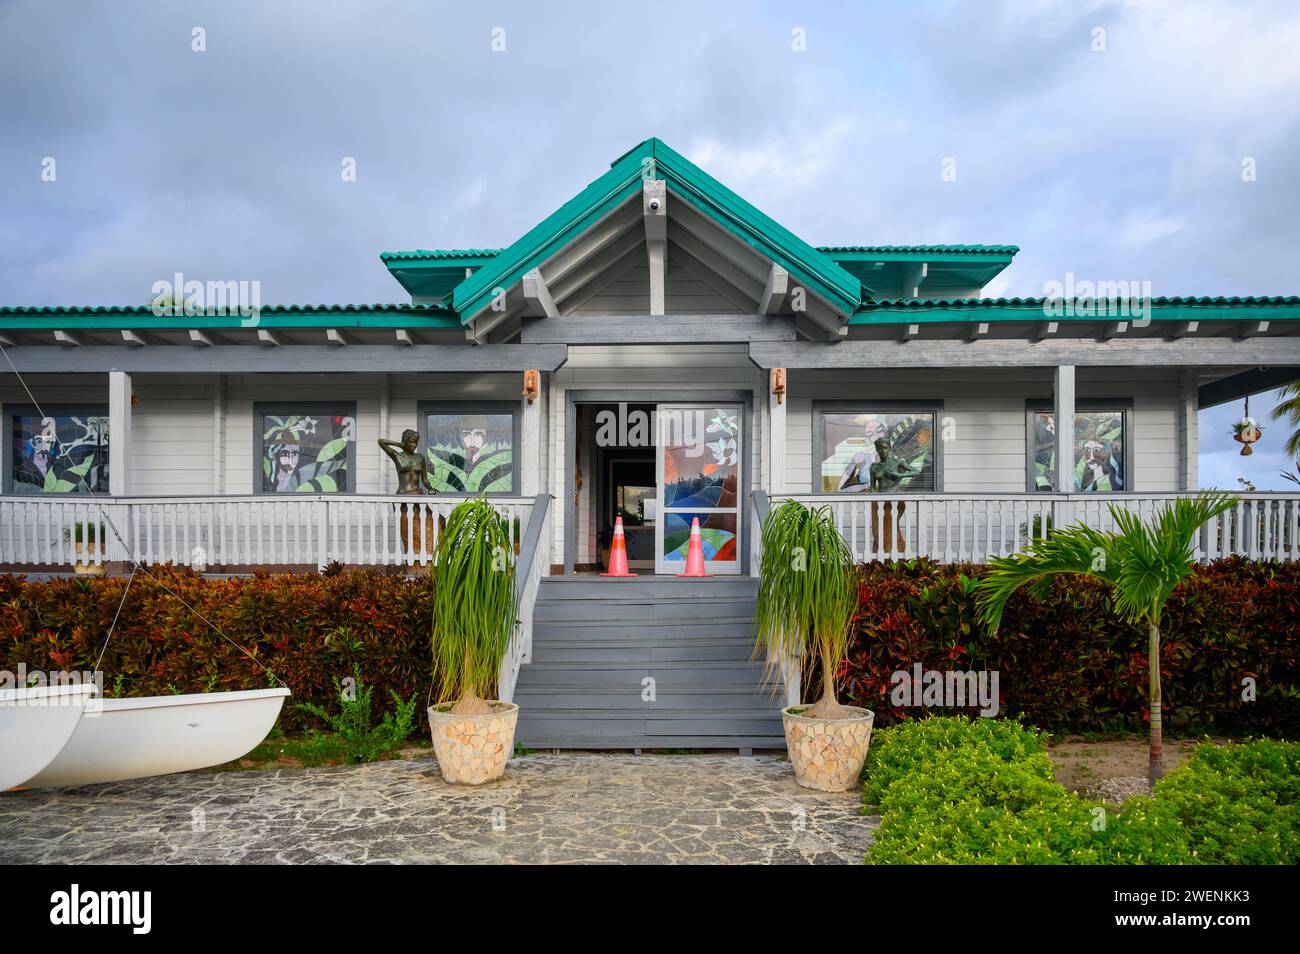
{"x":615,"y":461}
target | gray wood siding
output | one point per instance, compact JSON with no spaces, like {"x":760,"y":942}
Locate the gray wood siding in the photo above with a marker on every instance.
{"x":987,"y":411}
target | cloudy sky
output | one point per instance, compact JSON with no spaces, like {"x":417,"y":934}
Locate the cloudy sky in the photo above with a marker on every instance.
{"x":1105,"y":138}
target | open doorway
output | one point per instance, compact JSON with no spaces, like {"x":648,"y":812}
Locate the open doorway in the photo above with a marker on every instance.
{"x":615,"y":460}
{"x":661,"y":467}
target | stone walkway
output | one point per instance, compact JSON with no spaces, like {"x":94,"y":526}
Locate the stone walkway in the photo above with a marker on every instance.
{"x":646,"y":809}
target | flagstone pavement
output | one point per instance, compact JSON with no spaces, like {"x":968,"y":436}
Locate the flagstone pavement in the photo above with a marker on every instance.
{"x":565,"y":808}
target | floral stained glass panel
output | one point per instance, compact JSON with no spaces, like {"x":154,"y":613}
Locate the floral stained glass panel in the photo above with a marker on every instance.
{"x":307,"y":453}
{"x":1098,"y":451}
{"x":849,"y":442}
{"x":470,"y":453}
{"x":59,"y":454}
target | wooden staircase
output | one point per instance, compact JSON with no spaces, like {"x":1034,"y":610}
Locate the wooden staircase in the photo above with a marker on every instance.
{"x":650,"y":663}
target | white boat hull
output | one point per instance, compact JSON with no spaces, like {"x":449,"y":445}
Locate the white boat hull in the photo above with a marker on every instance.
{"x":35,"y":726}
{"x":158,"y":735}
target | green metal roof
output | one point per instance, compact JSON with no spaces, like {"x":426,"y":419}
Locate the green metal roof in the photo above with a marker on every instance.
{"x":421,"y":254}
{"x":812,"y":268}
{"x":395,"y":315}
{"x":1175,"y":308}
{"x":914,"y":251}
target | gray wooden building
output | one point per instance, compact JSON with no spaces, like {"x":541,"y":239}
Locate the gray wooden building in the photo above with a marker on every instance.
{"x":656,"y":351}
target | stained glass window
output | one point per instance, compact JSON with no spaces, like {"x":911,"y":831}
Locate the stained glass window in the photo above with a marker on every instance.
{"x":701,"y":462}
{"x":848,"y":448}
{"x":65,"y":452}
{"x":470,"y":450}
{"x":1099,"y":443}
{"x":306,"y":448}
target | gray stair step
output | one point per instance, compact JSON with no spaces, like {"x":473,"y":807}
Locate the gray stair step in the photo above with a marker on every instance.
{"x":643,"y":630}
{"x":558,"y":740}
{"x":576,"y":699}
{"x":641,"y":610}
{"x":643,"y":587}
{"x":616,"y":675}
{"x":546,"y":653}
{"x":719,"y":726}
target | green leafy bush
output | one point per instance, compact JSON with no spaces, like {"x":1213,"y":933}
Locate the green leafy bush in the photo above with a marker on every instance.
{"x":1239,"y":804}
{"x":957,"y":792}
{"x":307,"y":628}
{"x":354,"y":737}
{"x":910,"y":748}
{"x":1067,"y":664}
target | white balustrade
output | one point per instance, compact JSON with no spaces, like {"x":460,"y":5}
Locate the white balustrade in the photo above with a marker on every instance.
{"x":232,"y":531}
{"x":957,"y":528}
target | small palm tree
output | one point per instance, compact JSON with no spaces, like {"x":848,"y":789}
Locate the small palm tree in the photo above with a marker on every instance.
{"x":807,"y":592}
{"x":1288,"y":409}
{"x":1143,"y":564}
{"x":473,"y":605}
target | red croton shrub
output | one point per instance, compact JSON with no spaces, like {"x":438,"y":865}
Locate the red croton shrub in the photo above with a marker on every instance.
{"x":1067,"y":664}
{"x":308,"y":628}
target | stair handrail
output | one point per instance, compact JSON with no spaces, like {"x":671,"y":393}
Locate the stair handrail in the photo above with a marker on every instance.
{"x":529,"y":569}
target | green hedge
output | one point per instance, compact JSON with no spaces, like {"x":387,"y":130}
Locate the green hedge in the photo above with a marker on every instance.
{"x":1067,"y":664}
{"x":951,"y":791}
{"x":308,"y":628}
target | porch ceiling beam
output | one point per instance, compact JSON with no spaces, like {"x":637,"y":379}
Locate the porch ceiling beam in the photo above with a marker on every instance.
{"x":577,"y":278}
{"x":1184,"y":329}
{"x":267,"y":338}
{"x":1252,"y":329}
{"x":610,"y":230}
{"x":66,"y":338}
{"x":237,"y":359}
{"x":606,"y":277}
{"x":8,"y":342}
{"x":131,"y":338}
{"x":654,"y":207}
{"x":713,"y":236}
{"x":909,"y":333}
{"x":774,"y":291}
{"x":1114,"y":329}
{"x":200,"y":339}
{"x":335,"y":337}
{"x":1046,"y":329}
{"x":743,"y":304}
{"x":739,"y":278}
{"x":667,"y":329}
{"x":537,"y":297}
{"x":913,"y":275}
{"x":1136,"y":352}
{"x":977,"y":330}
{"x":404,"y":337}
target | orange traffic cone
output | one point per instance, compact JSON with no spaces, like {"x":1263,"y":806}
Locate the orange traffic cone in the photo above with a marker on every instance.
{"x":695,"y":552}
{"x":618,"y":552}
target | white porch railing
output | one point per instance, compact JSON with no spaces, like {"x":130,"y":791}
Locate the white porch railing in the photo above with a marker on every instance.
{"x":532,"y":564}
{"x":955,"y":528}
{"x":306,"y":529}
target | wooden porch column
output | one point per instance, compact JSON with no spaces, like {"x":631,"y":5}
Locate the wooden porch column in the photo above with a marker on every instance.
{"x":776,"y":443}
{"x":1063,"y":410}
{"x":1188,"y":449}
{"x":119,"y":433}
{"x":530,"y":439}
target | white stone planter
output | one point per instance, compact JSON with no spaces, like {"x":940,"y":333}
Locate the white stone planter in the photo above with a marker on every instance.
{"x":827,"y":754}
{"x":472,"y":750}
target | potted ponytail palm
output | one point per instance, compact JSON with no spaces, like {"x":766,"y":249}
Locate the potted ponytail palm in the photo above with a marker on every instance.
{"x":473,"y":621}
{"x":807,"y":592}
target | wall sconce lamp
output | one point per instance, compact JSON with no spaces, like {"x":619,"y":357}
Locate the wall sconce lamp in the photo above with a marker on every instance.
{"x":778,"y":384}
{"x":532,"y":384}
